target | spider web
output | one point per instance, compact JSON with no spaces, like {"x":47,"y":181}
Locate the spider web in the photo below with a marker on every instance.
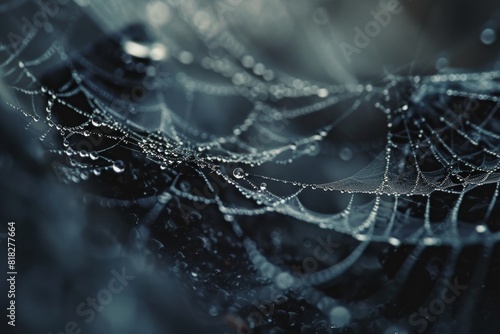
{"x":187,"y":94}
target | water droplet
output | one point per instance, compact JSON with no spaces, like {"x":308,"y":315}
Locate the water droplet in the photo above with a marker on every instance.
{"x":263,"y":186}
{"x":96,"y":121}
{"x":395,"y":242}
{"x":346,"y":154}
{"x":488,"y":36}
{"x":481,"y":228}
{"x":238,"y":173}
{"x":159,"y":13}
{"x":118,"y":166}
{"x":442,"y":63}
{"x":284,"y":280}
{"x":248,"y":61}
{"x":322,"y":92}
{"x":186,"y":57}
{"x":340,"y":316}
{"x":213,"y":311}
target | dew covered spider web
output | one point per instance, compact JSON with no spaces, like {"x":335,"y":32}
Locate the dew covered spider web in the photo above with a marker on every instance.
{"x":176,"y":112}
